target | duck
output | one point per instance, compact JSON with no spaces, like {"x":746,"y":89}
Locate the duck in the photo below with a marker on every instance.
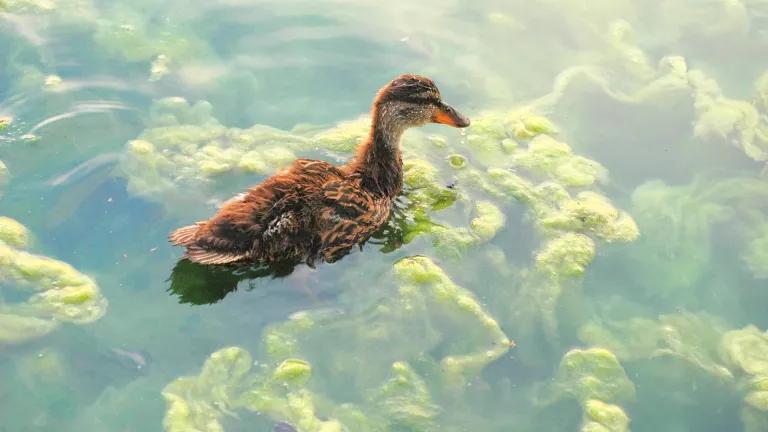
{"x":314,"y":211}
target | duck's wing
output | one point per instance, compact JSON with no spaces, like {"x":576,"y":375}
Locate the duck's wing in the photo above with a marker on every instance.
{"x":268,"y":210}
{"x":350,"y":214}
{"x":226,"y":238}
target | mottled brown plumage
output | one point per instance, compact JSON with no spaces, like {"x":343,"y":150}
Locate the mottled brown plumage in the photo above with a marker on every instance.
{"x":316,"y":211}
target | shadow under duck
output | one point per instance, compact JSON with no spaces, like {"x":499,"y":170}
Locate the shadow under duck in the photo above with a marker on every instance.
{"x":314,"y":211}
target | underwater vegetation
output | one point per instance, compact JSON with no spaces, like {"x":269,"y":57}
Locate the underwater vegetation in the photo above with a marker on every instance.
{"x":59,"y":293}
{"x":590,"y":255}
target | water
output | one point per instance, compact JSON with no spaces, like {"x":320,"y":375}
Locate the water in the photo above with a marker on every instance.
{"x":615,"y":283}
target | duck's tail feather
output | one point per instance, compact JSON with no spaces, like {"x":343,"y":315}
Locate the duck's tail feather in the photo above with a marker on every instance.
{"x":211,"y":257}
{"x":185,"y":236}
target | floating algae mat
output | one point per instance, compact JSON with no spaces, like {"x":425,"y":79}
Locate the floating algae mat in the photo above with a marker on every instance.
{"x":591,"y":254}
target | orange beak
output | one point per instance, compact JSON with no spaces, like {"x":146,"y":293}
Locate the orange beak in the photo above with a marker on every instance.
{"x":447,"y":115}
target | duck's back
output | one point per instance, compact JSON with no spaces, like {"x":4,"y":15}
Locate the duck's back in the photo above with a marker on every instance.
{"x":308,"y":211}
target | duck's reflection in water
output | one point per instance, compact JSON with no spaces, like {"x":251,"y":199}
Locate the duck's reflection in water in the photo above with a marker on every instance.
{"x":206,"y":284}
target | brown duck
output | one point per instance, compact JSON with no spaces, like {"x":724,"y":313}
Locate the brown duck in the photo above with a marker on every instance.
{"x":316,"y":211}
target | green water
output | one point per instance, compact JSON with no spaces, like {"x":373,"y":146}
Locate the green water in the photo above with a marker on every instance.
{"x":607,"y":211}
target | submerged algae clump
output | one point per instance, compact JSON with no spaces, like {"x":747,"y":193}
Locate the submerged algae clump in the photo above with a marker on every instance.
{"x":676,"y":245}
{"x":554,"y":159}
{"x":405,"y":402}
{"x":425,"y":196}
{"x":727,"y":119}
{"x":525,"y":124}
{"x":559,"y":191}
{"x":488,"y":222}
{"x":679,"y":225}
{"x":126,"y":34}
{"x":421,"y":277}
{"x":602,"y":417}
{"x":227,"y":383}
{"x":566,"y":256}
{"x":13,"y":233}
{"x":426,"y":304}
{"x":345,"y":136}
{"x":185,"y":148}
{"x":690,"y":338}
{"x":746,"y":350}
{"x":595,"y":378}
{"x":756,"y":255}
{"x":591,"y":213}
{"x":197,"y":403}
{"x":61,"y":293}
{"x":593,"y":373}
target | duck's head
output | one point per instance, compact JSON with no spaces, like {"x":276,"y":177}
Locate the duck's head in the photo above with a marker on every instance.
{"x":414,"y":100}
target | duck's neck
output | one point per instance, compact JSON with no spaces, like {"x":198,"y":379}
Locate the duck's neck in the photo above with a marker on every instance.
{"x":378,"y":160}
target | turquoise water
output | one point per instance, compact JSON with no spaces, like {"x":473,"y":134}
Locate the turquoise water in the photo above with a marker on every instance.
{"x":590,"y":255}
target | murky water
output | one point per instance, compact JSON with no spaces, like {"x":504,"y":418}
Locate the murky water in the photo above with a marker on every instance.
{"x":591,"y":254}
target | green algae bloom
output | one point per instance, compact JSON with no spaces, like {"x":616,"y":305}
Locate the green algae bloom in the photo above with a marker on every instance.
{"x":196,"y":403}
{"x":721,"y":117}
{"x":747,"y":349}
{"x":603,"y":417}
{"x":488,"y":222}
{"x":59,"y":292}
{"x":13,"y":233}
{"x":228,"y":382}
{"x":282,"y":340}
{"x":405,"y":400}
{"x":691,"y":338}
{"x":19,"y":328}
{"x":457,"y":161}
{"x":293,"y":371}
{"x":422,"y":274}
{"x":345,"y":136}
{"x":505,"y":182}
{"x":594,"y":373}
{"x":591,"y":213}
{"x":566,"y":256}
{"x":525,"y":125}
{"x":756,"y":255}
{"x":547,"y":156}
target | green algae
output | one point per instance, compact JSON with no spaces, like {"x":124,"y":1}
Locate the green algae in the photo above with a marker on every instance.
{"x":593,"y":373}
{"x":566,"y":256}
{"x":405,"y":401}
{"x":756,"y":254}
{"x":59,"y":292}
{"x":13,"y":233}
{"x":228,"y":382}
{"x":280,"y":388}
{"x":602,"y":417}
{"x":690,"y":338}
